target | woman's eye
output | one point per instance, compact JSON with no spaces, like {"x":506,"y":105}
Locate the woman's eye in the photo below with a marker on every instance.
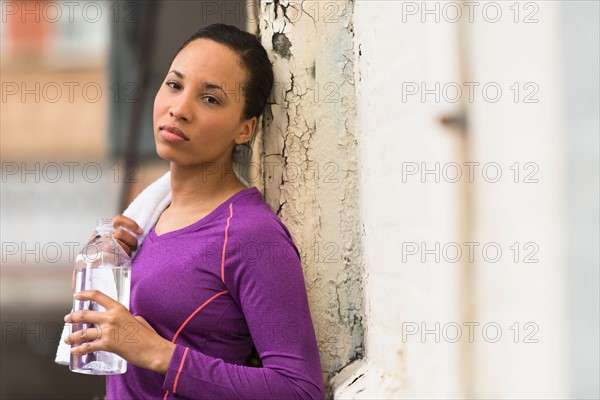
{"x":173,"y":84}
{"x":211,"y":99}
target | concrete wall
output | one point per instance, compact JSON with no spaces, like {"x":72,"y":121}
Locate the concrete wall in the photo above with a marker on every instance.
{"x":525,"y":292}
{"x":490,"y":325}
{"x":310,"y":163}
{"x":408,"y":298}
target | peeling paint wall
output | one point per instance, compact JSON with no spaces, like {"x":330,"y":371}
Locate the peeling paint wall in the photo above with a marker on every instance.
{"x":310,"y":165}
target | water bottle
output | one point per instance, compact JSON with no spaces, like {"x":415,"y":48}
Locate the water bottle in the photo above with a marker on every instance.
{"x":102,"y":265}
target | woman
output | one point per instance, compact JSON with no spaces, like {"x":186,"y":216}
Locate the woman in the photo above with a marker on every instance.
{"x":219,"y":272}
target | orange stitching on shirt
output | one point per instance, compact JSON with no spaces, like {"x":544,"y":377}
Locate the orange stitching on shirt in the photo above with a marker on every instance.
{"x":225,"y":243}
{"x":196,"y":312}
{"x":180,"y":368}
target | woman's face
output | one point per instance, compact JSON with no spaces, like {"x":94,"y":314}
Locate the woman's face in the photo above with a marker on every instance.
{"x":198,"y":108}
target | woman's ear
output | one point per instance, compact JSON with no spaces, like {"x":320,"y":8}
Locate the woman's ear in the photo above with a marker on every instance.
{"x":246,"y":130}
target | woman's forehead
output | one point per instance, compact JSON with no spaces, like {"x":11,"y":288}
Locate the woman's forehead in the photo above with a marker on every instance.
{"x":207,"y":60}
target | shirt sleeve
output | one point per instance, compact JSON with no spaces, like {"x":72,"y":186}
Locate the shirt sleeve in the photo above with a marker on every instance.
{"x":264,"y":276}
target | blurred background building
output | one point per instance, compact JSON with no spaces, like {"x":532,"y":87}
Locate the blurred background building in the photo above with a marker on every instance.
{"x":436,"y":163}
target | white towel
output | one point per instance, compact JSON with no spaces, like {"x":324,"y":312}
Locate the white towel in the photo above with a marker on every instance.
{"x":145,"y":210}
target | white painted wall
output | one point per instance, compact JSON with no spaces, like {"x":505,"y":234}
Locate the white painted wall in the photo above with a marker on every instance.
{"x":508,"y":131}
{"x":400,"y":44}
{"x":404,"y":294}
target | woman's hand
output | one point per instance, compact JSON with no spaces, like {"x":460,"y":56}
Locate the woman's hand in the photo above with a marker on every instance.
{"x":119,"y":332}
{"x":128,"y":242}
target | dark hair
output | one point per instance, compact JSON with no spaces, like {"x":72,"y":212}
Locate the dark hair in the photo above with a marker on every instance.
{"x":254,"y":59}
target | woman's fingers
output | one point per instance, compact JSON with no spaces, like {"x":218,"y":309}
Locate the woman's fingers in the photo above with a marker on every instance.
{"x":84,"y":335}
{"x":125,"y":231}
{"x":93,"y":316}
{"x":88,"y":316}
{"x":123,"y":221}
{"x":87,"y":347}
{"x":123,"y":227}
{"x":125,"y":237}
{"x":127,"y":241}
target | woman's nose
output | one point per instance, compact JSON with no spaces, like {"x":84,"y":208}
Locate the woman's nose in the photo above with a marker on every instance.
{"x":180,"y":110}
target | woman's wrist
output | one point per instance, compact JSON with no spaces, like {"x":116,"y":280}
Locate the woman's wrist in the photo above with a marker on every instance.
{"x":162,"y":356}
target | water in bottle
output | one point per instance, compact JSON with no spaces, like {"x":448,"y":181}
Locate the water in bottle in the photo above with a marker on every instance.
{"x":102,"y":265}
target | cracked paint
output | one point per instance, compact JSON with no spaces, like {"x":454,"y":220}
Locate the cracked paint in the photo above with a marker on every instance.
{"x":281,"y":45}
{"x":311,"y":167}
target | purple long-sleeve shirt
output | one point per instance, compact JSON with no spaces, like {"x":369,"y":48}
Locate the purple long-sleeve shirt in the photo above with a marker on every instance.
{"x":215,"y":288}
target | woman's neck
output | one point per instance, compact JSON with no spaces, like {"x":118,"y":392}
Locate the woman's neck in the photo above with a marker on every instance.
{"x":194,"y":186}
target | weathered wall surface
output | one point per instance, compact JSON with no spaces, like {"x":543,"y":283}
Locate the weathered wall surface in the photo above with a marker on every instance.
{"x":438,"y":324}
{"x":450,"y":324}
{"x":406,"y":295}
{"x":525,"y":290}
{"x":310,"y":162}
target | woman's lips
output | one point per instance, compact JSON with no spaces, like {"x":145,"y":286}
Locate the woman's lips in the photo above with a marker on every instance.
{"x":172,"y":134}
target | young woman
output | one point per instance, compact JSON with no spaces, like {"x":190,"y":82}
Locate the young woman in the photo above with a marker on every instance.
{"x":219,"y":272}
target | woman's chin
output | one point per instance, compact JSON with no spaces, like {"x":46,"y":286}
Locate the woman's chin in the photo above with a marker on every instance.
{"x":174,"y":157}
{"x":168,"y":154}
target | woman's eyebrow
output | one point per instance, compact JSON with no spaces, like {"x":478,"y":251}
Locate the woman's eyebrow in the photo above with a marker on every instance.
{"x":211,"y":85}
{"x":205,"y":85}
{"x":179,"y":74}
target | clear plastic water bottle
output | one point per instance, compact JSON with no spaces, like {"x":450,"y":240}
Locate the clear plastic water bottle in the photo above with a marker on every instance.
{"x":102,"y":265}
